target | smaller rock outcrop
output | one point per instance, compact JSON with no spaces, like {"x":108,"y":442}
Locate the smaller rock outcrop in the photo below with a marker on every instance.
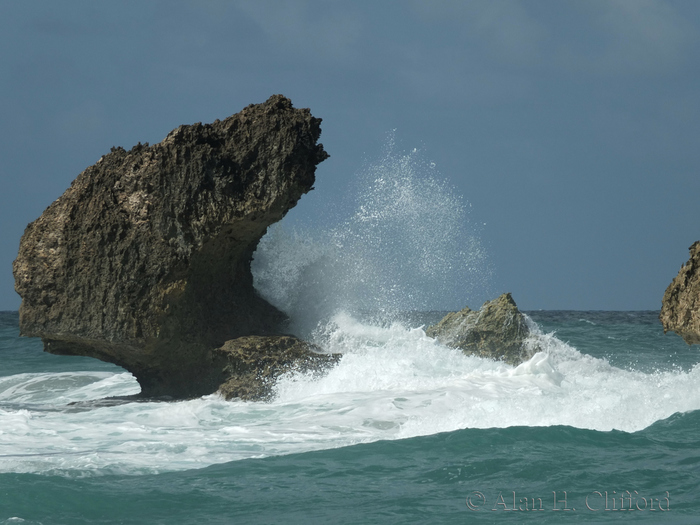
{"x":251,"y":364}
{"x":497,"y":331}
{"x":680,"y":310}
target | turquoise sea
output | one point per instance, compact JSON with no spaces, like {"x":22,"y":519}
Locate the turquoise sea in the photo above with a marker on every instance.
{"x":602,"y":427}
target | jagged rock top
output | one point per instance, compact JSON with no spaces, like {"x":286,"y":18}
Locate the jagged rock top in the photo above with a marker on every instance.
{"x":497,"y":331}
{"x":680,"y":310}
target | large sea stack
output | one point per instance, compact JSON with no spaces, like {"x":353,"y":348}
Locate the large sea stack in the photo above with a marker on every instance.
{"x":145,"y":260}
{"x":680,"y":308}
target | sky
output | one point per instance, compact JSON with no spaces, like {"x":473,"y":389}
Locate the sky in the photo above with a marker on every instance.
{"x":572,"y":128}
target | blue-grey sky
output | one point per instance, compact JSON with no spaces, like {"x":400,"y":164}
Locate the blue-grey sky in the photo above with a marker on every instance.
{"x":572,"y":127}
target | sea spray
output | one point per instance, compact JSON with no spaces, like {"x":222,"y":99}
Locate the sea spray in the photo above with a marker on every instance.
{"x":407,"y":244}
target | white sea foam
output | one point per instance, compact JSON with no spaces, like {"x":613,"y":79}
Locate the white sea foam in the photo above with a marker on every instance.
{"x":393,"y":382}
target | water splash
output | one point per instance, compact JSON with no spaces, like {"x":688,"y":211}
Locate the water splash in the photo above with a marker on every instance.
{"x":407,"y":244}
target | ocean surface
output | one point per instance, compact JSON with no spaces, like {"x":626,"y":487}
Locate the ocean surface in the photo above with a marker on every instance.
{"x":603,"y":426}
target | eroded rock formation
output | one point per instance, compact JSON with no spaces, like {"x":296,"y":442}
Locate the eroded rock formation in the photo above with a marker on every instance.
{"x":253,"y":363}
{"x":145,"y":260}
{"x":497,"y":331}
{"x":680,"y":307}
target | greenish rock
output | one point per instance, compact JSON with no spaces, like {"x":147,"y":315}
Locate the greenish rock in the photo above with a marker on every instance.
{"x":252,"y":364}
{"x":680,"y":307}
{"x":497,"y":331}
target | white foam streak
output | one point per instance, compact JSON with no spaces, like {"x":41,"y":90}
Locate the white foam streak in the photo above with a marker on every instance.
{"x":392,"y":383}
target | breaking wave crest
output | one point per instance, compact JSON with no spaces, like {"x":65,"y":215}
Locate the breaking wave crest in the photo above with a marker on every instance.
{"x":393,"y":382}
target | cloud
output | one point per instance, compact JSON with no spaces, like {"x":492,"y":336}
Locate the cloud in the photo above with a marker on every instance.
{"x":328,"y":31}
{"x":649,"y":34}
{"x":595,"y":36}
{"x":504,"y":29}
{"x":627,"y":37}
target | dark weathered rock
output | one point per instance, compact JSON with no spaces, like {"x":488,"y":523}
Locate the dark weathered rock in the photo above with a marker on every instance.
{"x":497,"y":331}
{"x":680,"y":307}
{"x":145,"y":260}
{"x":253,"y":363}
